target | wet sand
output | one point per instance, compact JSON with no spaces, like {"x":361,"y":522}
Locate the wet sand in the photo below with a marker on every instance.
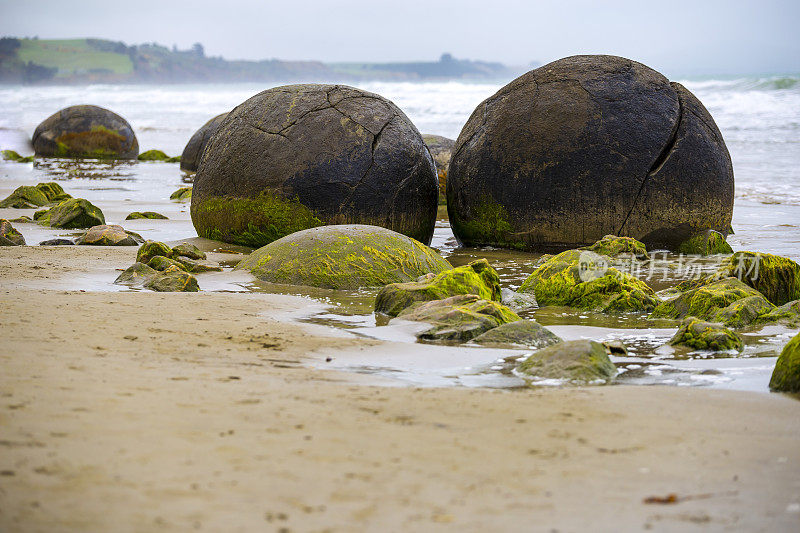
{"x":138,"y":411}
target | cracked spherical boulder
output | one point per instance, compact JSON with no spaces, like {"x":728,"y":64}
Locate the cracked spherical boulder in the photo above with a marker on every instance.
{"x":190,"y":158}
{"x":300,"y":156}
{"x":584,"y":147}
{"x":85,"y":131}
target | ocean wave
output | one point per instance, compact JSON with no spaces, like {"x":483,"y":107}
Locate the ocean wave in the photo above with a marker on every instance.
{"x":773,"y":83}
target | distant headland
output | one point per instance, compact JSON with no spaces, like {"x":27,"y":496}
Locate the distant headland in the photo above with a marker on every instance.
{"x":83,"y":61}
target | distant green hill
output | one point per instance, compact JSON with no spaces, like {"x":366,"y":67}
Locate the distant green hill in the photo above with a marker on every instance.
{"x":102,"y":61}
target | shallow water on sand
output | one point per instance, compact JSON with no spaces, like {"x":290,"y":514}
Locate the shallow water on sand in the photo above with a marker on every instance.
{"x":120,"y":188}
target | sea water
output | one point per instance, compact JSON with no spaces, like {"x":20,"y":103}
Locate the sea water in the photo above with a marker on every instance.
{"x":758,"y":117}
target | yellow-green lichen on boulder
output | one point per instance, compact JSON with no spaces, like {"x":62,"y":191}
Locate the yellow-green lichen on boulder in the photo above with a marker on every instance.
{"x":53,"y":191}
{"x":477,"y":278}
{"x":727,"y":300}
{"x":708,"y":242}
{"x":786,"y":376}
{"x":161,"y":263}
{"x":153,"y":155}
{"x":702,"y":335}
{"x":343,"y":257}
{"x":614,"y":246}
{"x":776,"y":277}
{"x":25,"y":197}
{"x":787,"y":314}
{"x":74,"y":213}
{"x":527,"y":333}
{"x":172,"y":279}
{"x":581,"y":362}
{"x":583,"y":279}
{"x":9,"y":236}
{"x":151,"y":249}
{"x":11,"y":155}
{"x":107,"y":235}
{"x":145,"y":215}
{"x":85,"y":131}
{"x":458,"y":318}
{"x":182,"y":194}
{"x":136,"y":275}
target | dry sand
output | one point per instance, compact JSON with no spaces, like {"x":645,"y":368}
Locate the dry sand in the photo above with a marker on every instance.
{"x":138,"y":411}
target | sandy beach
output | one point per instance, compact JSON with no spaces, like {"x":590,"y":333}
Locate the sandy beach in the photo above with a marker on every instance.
{"x":140,"y":411}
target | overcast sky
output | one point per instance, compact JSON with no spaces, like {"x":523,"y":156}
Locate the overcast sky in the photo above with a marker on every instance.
{"x":677,"y":37}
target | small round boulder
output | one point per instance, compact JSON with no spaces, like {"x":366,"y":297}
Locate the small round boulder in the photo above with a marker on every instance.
{"x":584,"y":147}
{"x":343,"y":257}
{"x":300,"y":156}
{"x":190,"y":158}
{"x":85,"y":131}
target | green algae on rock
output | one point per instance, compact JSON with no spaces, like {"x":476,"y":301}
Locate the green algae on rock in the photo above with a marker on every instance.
{"x":528,"y":333}
{"x":583,"y":279}
{"x":776,"y":277}
{"x":477,"y":278}
{"x":182,"y":194}
{"x":106,"y":235}
{"x":253,"y":222}
{"x":25,"y":197}
{"x":53,"y":191}
{"x":153,"y":155}
{"x":614,"y":246}
{"x":151,"y":249}
{"x":701,"y":335}
{"x":10,"y":236}
{"x":172,"y":279}
{"x":786,"y":375}
{"x":787,"y":314}
{"x":73,"y":213}
{"x":85,"y":131}
{"x":581,"y":362}
{"x":708,"y":242}
{"x":145,"y":215}
{"x":161,"y":263}
{"x":458,"y":318}
{"x":136,"y":275}
{"x":718,"y":301}
{"x":188,"y":250}
{"x":343,"y":257}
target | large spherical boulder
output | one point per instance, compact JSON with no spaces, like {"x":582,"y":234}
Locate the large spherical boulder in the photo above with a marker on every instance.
{"x":301,"y":156}
{"x":85,"y":131}
{"x":190,"y":158}
{"x":584,"y":147}
{"x":343,"y":257}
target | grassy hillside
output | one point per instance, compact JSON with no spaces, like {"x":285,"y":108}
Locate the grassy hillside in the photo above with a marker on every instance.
{"x":72,"y":57}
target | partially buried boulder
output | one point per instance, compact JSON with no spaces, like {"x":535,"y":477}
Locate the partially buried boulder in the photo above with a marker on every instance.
{"x":25,"y":197}
{"x":73,"y":213}
{"x":527,"y":333}
{"x":11,"y":155}
{"x":182,"y":194}
{"x":776,"y":277}
{"x":477,"y":278}
{"x":57,"y":242}
{"x":614,"y":246}
{"x":343,"y":257}
{"x":583,"y":279}
{"x":300,"y":156}
{"x":587,"y":146}
{"x":192,"y":153}
{"x":10,"y":236}
{"x":151,"y":249}
{"x":788,"y":314}
{"x":107,"y":235}
{"x":441,"y":149}
{"x":458,"y":318}
{"x":172,"y":279}
{"x":701,"y":335}
{"x":786,"y":376}
{"x":162,"y":263}
{"x":148,"y":215}
{"x":53,"y":191}
{"x":85,"y":131}
{"x":157,"y":155}
{"x":188,"y":250}
{"x":136,"y":275}
{"x":581,"y":362}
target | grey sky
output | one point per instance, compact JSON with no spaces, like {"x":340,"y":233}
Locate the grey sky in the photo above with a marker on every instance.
{"x":676,"y":37}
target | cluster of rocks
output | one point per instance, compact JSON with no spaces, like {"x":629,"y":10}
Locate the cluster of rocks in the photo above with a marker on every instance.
{"x":166,"y":269}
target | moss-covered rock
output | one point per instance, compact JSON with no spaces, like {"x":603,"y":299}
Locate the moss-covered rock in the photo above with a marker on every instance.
{"x":776,"y":277}
{"x":188,"y":250}
{"x":787,"y":314}
{"x":161,"y":263}
{"x":477,"y":278}
{"x":182,"y":194}
{"x":343,"y":257}
{"x":149,"y":215}
{"x":701,"y":335}
{"x":10,"y":236}
{"x":458,"y":318}
{"x":53,"y":191}
{"x":73,"y":213}
{"x":25,"y":197}
{"x":614,"y":246}
{"x":727,"y":300}
{"x":172,"y":279}
{"x":152,"y":249}
{"x":579,"y":362}
{"x":708,"y":242}
{"x":24,"y":219}
{"x":786,"y":376}
{"x":527,"y":333}
{"x":85,"y":131}
{"x":583,"y":279}
{"x":10,"y":155}
{"x":106,"y":235}
{"x":136,"y":275}
{"x":153,"y":155}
